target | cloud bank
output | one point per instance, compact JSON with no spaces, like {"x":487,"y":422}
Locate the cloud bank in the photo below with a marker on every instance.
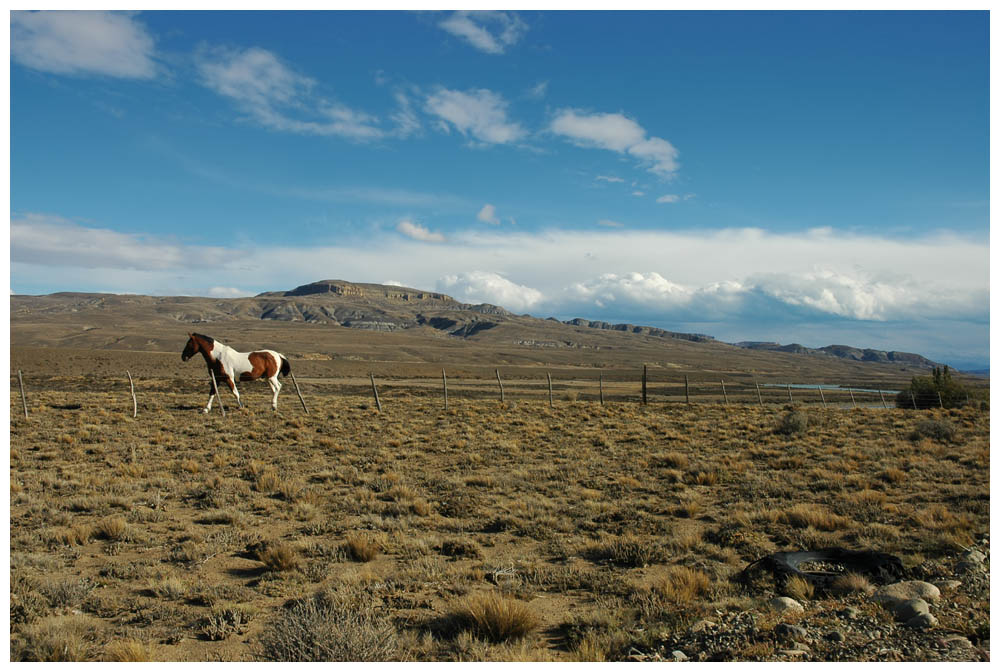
{"x":735,"y":283}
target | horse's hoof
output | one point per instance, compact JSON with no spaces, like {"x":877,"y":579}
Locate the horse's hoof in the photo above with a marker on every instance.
{"x":205,"y":411}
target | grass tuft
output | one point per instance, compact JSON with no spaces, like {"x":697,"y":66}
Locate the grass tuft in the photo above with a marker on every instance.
{"x":496,"y":618}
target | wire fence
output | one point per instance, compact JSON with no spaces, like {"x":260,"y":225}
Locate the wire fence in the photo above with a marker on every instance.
{"x":614,"y":387}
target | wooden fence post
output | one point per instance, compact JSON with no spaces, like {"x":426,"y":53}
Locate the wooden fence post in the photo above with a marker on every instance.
{"x":378,"y":404}
{"x":822,"y":398}
{"x":549,"y":376}
{"x":218,"y":397}
{"x":24,"y":401}
{"x":724,"y":395}
{"x":500,"y":382}
{"x":851,"y":390}
{"x":301,"y":400}
{"x":687,"y":395}
{"x":882,"y":398}
{"x":444,"y":381}
{"x":135,"y":404}
{"x":601,"y":383}
{"x":940,"y":401}
{"x":643,"y":384}
{"x":760,"y":400}
{"x":788,"y":386}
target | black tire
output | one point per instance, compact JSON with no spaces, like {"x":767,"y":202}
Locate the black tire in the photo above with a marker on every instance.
{"x":880,"y":568}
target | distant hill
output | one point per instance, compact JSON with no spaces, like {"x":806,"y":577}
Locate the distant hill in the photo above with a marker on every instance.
{"x":844,"y":352}
{"x":91,"y":320}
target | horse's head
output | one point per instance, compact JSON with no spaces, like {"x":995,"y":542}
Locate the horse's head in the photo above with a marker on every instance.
{"x":191,"y":349}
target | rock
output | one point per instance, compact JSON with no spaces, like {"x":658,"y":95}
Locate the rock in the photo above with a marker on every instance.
{"x":922,"y":621}
{"x":950,"y":584}
{"x":799,"y":646}
{"x":974,"y":556}
{"x":849,"y":613}
{"x":966,"y":566}
{"x":786,"y":604}
{"x":906,"y":590}
{"x":788,"y":631}
{"x":791,"y":652}
{"x":679,"y":656}
{"x":957,"y":641}
{"x":836,"y":636}
{"x":701,"y":626}
{"x":910,"y":608}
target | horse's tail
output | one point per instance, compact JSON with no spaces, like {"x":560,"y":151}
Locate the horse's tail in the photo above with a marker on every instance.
{"x":286,"y":368}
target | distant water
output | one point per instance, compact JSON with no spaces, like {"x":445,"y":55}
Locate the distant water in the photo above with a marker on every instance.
{"x":836,"y":388}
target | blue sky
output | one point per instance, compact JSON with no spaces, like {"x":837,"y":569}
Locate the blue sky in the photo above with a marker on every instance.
{"x":816,"y":177}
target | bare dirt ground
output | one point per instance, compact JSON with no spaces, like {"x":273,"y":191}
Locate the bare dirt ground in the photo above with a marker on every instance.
{"x":488,"y":531}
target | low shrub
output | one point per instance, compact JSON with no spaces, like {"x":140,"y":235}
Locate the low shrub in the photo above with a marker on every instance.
{"x":793,"y":422}
{"x":330,"y":626}
{"x":933,"y":428}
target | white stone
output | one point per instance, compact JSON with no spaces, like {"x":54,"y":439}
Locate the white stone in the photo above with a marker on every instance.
{"x":910,"y":608}
{"x":906,"y":590}
{"x":786,"y":604}
{"x":922,"y":621}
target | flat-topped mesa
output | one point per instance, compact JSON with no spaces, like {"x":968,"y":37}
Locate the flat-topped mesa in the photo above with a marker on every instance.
{"x":374,"y":291}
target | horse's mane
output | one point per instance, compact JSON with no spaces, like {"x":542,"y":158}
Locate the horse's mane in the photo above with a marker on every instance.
{"x":211,"y":341}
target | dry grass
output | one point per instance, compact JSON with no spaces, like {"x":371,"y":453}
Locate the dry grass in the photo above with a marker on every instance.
{"x":496,"y":617}
{"x":416,"y":520}
{"x":682,"y":585}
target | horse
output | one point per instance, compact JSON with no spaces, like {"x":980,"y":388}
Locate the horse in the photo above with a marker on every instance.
{"x":228,"y":364}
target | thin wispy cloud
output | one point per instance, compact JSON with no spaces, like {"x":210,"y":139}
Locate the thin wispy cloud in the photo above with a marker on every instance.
{"x":50,"y":240}
{"x":78,"y":43}
{"x":616,"y":133}
{"x":479,"y":113}
{"x":608,"y":178}
{"x":417,"y":232}
{"x":277,"y":97}
{"x":488,"y":31}
{"x":668,"y":198}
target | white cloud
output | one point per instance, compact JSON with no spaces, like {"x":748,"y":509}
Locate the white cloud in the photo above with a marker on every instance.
{"x":277,"y":97}
{"x":418,"y":232}
{"x":228,"y":292}
{"x":489,"y":215}
{"x":610,"y":223}
{"x":82,"y":43}
{"x":480,"y":113}
{"x":538,"y":91}
{"x":50,"y":240}
{"x":638,"y":193}
{"x":819,"y":285}
{"x":616,"y":133}
{"x":473,"y":27}
{"x":668,"y":198}
{"x":608,"y":178}
{"x":488,"y":287}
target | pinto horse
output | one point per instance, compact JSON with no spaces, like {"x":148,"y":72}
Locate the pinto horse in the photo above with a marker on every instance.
{"x":228,"y":364}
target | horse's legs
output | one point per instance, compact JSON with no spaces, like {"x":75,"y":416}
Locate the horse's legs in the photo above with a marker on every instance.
{"x":275,"y":387}
{"x":236,"y":393}
{"x":211,"y":397}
